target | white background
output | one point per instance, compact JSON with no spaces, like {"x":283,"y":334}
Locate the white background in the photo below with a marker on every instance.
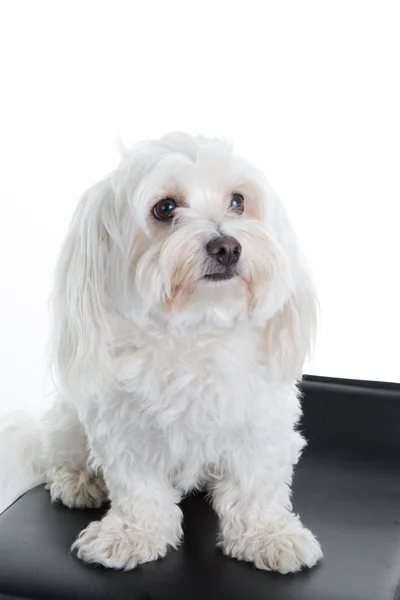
{"x":308,"y":90}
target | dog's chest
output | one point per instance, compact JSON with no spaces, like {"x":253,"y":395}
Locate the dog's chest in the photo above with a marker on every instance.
{"x":199,"y":382}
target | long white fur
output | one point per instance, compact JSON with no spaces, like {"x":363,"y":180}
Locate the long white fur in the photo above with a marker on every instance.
{"x":167,"y":383}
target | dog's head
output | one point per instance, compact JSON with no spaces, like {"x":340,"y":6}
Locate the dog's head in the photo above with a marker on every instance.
{"x":186,"y":233}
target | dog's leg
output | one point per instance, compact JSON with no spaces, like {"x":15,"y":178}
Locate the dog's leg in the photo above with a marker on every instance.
{"x":252,"y":499}
{"x":68,"y":476}
{"x":144,"y":518}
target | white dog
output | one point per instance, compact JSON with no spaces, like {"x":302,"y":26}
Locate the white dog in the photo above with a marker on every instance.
{"x":183,"y":312}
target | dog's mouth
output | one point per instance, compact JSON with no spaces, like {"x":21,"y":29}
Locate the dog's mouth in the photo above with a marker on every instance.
{"x":223,"y":276}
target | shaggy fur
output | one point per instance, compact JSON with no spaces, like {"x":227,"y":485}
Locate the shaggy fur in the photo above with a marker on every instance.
{"x":170,"y":382}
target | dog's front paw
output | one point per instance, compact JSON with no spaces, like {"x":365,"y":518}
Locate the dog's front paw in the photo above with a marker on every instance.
{"x":285,"y":548}
{"x":119,"y":543}
{"x":76,"y":489}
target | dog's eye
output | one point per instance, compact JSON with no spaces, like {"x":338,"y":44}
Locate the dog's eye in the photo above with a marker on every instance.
{"x":164,"y":210}
{"x":237,"y":203}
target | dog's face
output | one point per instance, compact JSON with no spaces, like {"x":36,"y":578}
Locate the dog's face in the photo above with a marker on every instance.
{"x":182,"y":233}
{"x":201,"y":233}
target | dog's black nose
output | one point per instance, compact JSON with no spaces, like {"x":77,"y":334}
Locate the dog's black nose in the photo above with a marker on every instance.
{"x":226,"y":250}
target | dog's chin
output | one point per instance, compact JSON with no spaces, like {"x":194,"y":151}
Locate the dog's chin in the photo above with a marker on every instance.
{"x":217,"y":300}
{"x":217,"y":287}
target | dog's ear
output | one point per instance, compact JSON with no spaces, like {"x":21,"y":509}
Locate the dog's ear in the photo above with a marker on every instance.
{"x":81,"y":302}
{"x":290,"y":333}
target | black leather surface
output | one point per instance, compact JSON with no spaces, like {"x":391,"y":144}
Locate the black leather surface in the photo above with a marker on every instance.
{"x":347,"y":489}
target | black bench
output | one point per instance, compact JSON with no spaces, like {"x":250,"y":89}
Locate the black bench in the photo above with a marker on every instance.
{"x":347,"y":490}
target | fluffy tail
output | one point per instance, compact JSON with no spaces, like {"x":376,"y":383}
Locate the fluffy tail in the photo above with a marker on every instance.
{"x":22,"y":464}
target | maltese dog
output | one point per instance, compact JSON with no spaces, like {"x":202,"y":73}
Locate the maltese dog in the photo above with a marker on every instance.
{"x":183,"y":311}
